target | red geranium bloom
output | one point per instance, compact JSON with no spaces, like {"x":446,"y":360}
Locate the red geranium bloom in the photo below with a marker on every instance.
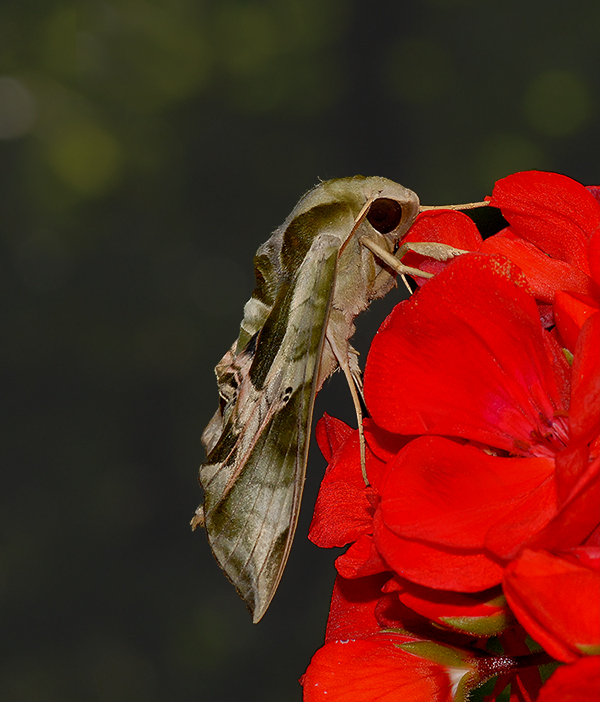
{"x":477,"y":366}
{"x":554,"y":236}
{"x":483,"y":447}
{"x":556,"y":214}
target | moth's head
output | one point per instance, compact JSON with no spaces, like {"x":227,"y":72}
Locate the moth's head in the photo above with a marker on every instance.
{"x":388,"y":207}
{"x":375,"y":203}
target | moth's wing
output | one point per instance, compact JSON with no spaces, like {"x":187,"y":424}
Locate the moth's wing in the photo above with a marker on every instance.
{"x":254,"y":475}
{"x":225,"y":371}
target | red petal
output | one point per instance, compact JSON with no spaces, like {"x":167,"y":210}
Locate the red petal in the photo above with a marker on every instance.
{"x":481,"y":613}
{"x":556,"y":601}
{"x":331,"y":433}
{"x":462,"y":570}
{"x":524,"y":522}
{"x":343,"y":510}
{"x":545,"y":275}
{"x":342,"y":514}
{"x":449,"y":495}
{"x":352,"y":611}
{"x":571,"y":310}
{"x":542,"y":522}
{"x":571,"y":464}
{"x":384,"y":444}
{"x":577,"y":517}
{"x":374,"y":669}
{"x":593,"y":539}
{"x":584,"y":414}
{"x":361,"y":559}
{"x":464,"y":357}
{"x":579,"y":682}
{"x":554,"y":212}
{"x":562,"y":369}
{"x":594,"y":256}
{"x":588,"y":556}
{"x":446,"y":227}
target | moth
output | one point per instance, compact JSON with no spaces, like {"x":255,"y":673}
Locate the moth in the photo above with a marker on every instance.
{"x":336,"y":251}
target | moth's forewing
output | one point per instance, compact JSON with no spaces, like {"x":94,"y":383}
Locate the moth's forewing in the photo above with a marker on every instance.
{"x":313,"y":278}
{"x":253,"y":496}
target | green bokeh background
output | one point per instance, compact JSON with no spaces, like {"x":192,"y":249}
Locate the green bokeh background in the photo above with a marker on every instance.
{"x":147,"y":147}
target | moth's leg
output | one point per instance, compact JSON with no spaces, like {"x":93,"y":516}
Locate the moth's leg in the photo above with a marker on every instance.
{"x":355,"y":370}
{"x":359,"y":419}
{"x":342,"y":359}
{"x":198,"y":518}
{"x":440,"y":252}
{"x":391,"y":260}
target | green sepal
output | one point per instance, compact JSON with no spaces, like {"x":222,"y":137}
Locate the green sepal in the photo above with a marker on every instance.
{"x":480,"y":626}
{"x":461,"y":665}
{"x":448,"y":656}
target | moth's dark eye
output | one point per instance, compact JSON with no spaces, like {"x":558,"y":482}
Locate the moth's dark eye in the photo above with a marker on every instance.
{"x":384,"y":215}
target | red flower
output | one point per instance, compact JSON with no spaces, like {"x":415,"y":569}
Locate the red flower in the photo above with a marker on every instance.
{"x":553,"y":212}
{"x":483,"y":460}
{"x":479,"y":367}
{"x":557,"y":600}
{"x":440,"y":512}
{"x":553,"y":237}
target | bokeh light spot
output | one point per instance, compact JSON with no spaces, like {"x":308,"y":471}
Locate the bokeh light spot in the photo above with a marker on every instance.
{"x":557,"y":103}
{"x":86,"y":157}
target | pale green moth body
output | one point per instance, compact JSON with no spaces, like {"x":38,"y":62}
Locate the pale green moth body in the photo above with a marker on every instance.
{"x":313,"y":277}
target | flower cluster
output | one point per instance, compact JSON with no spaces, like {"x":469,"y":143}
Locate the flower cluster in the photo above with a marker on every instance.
{"x":475,"y":548}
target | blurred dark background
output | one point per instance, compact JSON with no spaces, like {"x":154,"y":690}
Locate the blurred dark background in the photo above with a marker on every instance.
{"x":140,"y":168}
